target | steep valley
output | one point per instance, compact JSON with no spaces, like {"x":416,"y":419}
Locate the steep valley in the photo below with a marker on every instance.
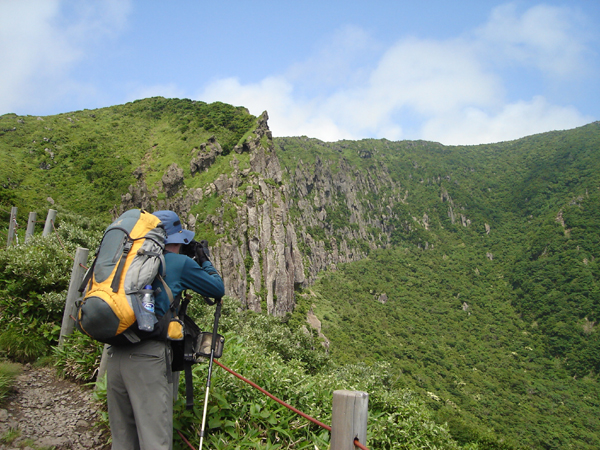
{"x":471,"y":270}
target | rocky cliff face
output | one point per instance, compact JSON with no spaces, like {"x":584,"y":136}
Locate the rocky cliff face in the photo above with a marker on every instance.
{"x":277,"y":228}
{"x":335,"y":199}
{"x":257,"y":252}
{"x":259,"y":259}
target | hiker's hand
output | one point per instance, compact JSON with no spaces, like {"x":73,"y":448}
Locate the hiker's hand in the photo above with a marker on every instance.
{"x":200,"y":255}
{"x":204,"y":245}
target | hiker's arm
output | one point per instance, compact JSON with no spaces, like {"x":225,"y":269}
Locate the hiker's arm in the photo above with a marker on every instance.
{"x":204,"y":279}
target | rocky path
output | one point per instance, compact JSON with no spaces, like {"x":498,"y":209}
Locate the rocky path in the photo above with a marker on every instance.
{"x":49,"y":412}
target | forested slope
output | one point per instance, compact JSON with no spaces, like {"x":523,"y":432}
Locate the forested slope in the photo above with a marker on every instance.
{"x":484,"y":290}
{"x":471,"y":270}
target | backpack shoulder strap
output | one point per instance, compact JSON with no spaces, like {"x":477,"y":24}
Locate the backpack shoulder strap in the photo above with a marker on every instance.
{"x":167,"y":288}
{"x":117,"y":278}
{"x":189,"y":385}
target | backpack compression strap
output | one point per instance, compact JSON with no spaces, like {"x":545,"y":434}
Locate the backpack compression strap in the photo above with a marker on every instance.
{"x":117,"y":278}
{"x":87,"y":279}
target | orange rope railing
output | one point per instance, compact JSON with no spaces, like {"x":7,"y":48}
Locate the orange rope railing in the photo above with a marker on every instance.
{"x":281,"y":402}
{"x":359,"y":445}
{"x":189,"y":444}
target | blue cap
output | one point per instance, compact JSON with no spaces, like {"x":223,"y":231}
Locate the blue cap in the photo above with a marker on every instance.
{"x":175,"y":233}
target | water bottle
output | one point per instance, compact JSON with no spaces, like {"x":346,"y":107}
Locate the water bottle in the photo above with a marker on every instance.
{"x":147,"y":318}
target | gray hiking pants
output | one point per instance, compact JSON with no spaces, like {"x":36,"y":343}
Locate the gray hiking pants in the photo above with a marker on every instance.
{"x":140,"y":396}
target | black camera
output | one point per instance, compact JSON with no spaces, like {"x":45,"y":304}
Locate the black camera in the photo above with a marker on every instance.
{"x":198,"y":251}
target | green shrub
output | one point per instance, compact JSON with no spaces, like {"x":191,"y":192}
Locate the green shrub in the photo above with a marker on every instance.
{"x":242,"y":416}
{"x":38,"y":266}
{"x":100,"y":398}
{"x":78,"y":358}
{"x":285,"y":363}
{"x":33,"y":286}
{"x":294,"y":368}
{"x":22,"y":342}
{"x":53,"y":302}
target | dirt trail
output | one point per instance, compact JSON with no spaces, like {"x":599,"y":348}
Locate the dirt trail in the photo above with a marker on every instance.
{"x":50,"y":412}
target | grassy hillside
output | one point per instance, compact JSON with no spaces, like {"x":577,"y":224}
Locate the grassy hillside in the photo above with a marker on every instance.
{"x":85,"y":160}
{"x":289,"y":363}
{"x":478,"y":289}
{"x":492,"y":315}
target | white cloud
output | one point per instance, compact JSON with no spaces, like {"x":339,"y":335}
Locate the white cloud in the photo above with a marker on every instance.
{"x":28,"y":45}
{"x":448,"y":89}
{"x":432,"y":77}
{"x":300,"y":101}
{"x":422,"y":77}
{"x":42,"y":40}
{"x":351,"y":87}
{"x":274,"y":92}
{"x":475,"y":126}
{"x":287,"y":115}
{"x":548,"y":38}
{"x":426,"y":77}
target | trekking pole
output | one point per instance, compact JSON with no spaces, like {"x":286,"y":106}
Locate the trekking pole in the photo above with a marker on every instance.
{"x":210,"y":366}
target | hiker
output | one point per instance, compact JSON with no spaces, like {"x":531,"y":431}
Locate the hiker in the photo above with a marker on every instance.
{"x":140,"y":381}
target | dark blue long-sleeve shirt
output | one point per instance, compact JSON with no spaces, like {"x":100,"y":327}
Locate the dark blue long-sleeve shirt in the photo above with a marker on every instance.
{"x":184,"y":273}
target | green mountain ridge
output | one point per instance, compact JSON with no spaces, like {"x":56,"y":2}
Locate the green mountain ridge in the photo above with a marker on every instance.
{"x":487,"y":298}
{"x":472,"y":270}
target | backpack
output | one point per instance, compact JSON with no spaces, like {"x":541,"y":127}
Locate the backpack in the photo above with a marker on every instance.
{"x":129,"y":257}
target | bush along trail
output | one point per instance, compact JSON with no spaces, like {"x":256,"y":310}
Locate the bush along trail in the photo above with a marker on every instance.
{"x":42,"y":411}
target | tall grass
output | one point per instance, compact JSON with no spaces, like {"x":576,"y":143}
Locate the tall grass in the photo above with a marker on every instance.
{"x":8,"y":373}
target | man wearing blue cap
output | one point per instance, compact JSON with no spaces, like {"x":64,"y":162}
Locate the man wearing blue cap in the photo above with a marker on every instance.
{"x":140,"y":381}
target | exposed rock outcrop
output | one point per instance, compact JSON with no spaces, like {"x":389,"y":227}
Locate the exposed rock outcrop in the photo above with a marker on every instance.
{"x":172,"y":180}
{"x":205,"y":156}
{"x":315,"y":323}
{"x":332,"y":199}
{"x":257,"y":254}
{"x":276,"y":231}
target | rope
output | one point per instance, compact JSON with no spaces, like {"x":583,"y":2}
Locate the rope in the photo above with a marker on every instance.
{"x":359,"y":445}
{"x":185,"y":440}
{"x":281,"y":402}
{"x":60,"y":242}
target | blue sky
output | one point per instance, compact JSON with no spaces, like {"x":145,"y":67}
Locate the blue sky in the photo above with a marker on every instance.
{"x":465,"y":72}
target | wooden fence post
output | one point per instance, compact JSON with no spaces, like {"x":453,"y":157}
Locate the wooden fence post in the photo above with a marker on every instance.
{"x":30,"y":226}
{"x":103,"y":363}
{"x":348,"y":419}
{"x":49,"y":220}
{"x":11,"y":226}
{"x":77,"y":275}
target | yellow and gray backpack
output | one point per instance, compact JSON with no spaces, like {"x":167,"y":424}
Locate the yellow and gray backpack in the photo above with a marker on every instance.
{"x":130,"y":256}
